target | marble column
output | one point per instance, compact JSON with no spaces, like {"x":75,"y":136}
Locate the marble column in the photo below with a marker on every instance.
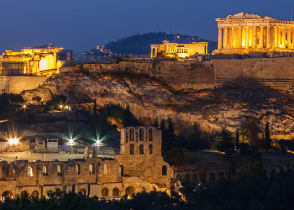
{"x":225,"y":37}
{"x":261,"y":37}
{"x":233,"y":37}
{"x":220,"y":38}
{"x":279,"y":37}
{"x":283,"y":37}
{"x":247,"y":37}
{"x":240,"y":37}
{"x":268,"y":37}
{"x":289,"y":37}
{"x":254,"y":36}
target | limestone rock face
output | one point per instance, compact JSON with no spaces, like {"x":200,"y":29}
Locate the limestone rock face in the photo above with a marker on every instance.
{"x":152,"y":94}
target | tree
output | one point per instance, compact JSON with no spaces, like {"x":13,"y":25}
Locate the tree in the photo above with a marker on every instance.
{"x":237,"y":140}
{"x":226,"y":143}
{"x":267,"y":138}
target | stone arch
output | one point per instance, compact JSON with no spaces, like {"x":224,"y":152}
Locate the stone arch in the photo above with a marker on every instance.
{"x":7,"y":195}
{"x":132,"y":134}
{"x":141,"y":134}
{"x":150,"y":134}
{"x":150,"y":148}
{"x":105,"y":193}
{"x":132,"y":149}
{"x":30,"y":171}
{"x":35,"y":194}
{"x":130,"y":191}
{"x":212,"y":177}
{"x":83,"y":192}
{"x":141,"y":149}
{"x":115,"y":192}
{"x":24,"y":194}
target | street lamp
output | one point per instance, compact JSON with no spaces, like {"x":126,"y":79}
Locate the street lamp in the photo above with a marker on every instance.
{"x":13,"y":141}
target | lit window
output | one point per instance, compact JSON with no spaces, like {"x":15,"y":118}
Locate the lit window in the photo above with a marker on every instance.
{"x":78,"y":169}
{"x":59,"y":170}
{"x":91,"y":169}
{"x":150,"y":149}
{"x":30,"y":171}
{"x":44,"y":170}
{"x":105,"y":169}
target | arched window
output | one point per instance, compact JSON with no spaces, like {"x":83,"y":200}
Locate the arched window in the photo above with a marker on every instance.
{"x":203,"y":178}
{"x":141,"y":134}
{"x":164,"y":171}
{"x":221,"y":176}
{"x":150,"y":134}
{"x":44,"y":170}
{"x":132,"y":149}
{"x":141,"y":149}
{"x":130,"y":191}
{"x":121,"y":170}
{"x":91,"y":169}
{"x":212,"y":177}
{"x":150,"y":147}
{"x":187,"y":178}
{"x":105,"y":168}
{"x":59,"y":170}
{"x":35,"y":194}
{"x":132,"y":134}
{"x":127,"y":137}
{"x":30,"y":171}
{"x":105,"y":192}
{"x":115,"y":192}
{"x":78,"y":169}
{"x":83,"y":192}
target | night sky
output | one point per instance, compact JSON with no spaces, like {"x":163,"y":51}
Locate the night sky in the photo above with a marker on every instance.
{"x":82,"y":24}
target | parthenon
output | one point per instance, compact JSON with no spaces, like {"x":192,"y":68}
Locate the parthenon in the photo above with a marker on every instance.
{"x":248,"y":33}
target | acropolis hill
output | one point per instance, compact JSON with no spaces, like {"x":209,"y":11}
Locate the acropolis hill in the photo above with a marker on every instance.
{"x":213,"y":95}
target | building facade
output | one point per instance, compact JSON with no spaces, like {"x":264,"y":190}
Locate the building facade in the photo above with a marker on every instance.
{"x":43,"y":60}
{"x":176,"y":50}
{"x":137,"y":168}
{"x":248,"y":33}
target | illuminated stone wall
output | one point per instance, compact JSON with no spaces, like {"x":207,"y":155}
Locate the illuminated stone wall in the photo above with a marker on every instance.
{"x":17,"y":84}
{"x":36,"y":61}
{"x":177,"y":50}
{"x":247,"y":33}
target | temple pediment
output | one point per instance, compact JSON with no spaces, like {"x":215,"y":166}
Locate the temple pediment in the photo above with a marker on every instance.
{"x":243,"y":15}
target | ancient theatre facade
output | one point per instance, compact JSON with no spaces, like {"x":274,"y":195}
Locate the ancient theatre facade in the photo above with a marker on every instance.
{"x":248,"y":33}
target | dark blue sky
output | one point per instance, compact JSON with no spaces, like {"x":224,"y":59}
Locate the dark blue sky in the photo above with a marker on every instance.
{"x":82,"y":24}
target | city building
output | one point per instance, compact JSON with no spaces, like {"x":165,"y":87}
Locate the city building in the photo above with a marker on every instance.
{"x":176,"y":50}
{"x":248,"y":33}
{"x":41,"y":60}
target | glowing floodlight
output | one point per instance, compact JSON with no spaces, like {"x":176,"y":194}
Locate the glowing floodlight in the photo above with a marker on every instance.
{"x":98,"y":143}
{"x":24,"y":107}
{"x":13,"y":141}
{"x":71,"y":142}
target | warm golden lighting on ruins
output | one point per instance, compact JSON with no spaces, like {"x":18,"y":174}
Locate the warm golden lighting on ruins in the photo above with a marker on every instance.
{"x":42,"y":60}
{"x":176,"y":50}
{"x":13,"y":141}
{"x":248,"y":33}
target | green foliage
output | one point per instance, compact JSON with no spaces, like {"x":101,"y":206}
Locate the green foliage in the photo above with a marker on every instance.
{"x":226,"y":142}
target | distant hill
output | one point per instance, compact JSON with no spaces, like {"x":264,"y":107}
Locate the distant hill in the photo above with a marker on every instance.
{"x":140,"y":44}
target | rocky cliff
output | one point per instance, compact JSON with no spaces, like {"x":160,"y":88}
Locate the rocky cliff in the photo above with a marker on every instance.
{"x":212,"y":95}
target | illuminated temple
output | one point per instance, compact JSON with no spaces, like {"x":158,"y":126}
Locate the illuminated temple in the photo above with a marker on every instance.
{"x":176,"y":50}
{"x":43,"y":60}
{"x":248,"y":33}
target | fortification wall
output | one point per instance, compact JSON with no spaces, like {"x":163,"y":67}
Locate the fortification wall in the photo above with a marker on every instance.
{"x":269,"y":70}
{"x":17,"y":84}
